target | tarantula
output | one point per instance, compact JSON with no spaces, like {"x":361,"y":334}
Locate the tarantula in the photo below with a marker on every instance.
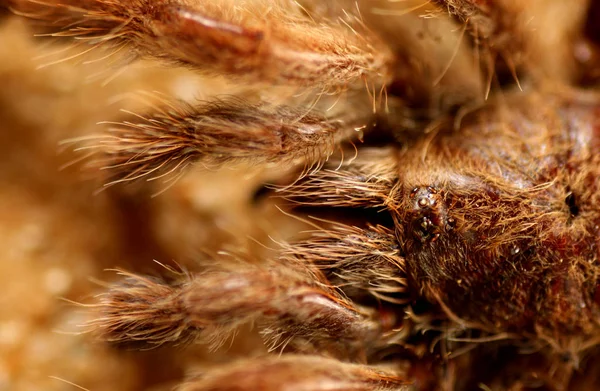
{"x":463,"y":247}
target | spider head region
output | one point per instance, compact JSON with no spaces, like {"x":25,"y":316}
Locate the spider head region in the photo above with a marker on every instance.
{"x":429,"y":215}
{"x":500,"y":222}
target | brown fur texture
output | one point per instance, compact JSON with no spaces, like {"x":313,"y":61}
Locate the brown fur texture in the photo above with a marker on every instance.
{"x":272,"y":374}
{"x":456,"y":249}
{"x":237,"y":39}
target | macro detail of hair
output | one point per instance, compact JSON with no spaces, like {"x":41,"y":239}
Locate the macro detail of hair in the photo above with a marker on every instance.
{"x":338,"y":195}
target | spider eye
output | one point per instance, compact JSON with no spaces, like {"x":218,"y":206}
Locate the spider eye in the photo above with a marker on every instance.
{"x":425,"y":197}
{"x":429,"y":217}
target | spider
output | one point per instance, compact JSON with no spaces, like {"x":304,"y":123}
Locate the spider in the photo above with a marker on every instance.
{"x":452,"y":147}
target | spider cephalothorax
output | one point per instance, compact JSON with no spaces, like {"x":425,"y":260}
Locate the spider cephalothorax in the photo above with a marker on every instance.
{"x":487,"y":206}
{"x":507,"y":237}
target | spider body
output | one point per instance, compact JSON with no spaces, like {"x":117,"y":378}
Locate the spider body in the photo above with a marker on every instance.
{"x":497,"y":233}
{"x":491,"y":244}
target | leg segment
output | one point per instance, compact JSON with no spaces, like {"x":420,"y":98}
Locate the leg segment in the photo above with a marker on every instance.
{"x":213,"y":134}
{"x":358,"y":261}
{"x":365,"y":181}
{"x":296,"y":373}
{"x":289,"y":303}
{"x":536,"y":35}
{"x":270,"y":41}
